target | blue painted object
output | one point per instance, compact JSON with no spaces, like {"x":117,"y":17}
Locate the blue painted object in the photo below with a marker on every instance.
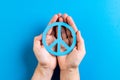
{"x":59,"y":40}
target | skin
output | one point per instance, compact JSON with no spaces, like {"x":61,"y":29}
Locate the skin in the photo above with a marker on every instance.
{"x":68,"y":63}
{"x":46,"y":61}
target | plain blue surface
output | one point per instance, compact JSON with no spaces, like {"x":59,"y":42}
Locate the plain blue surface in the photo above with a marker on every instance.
{"x":98,"y":20}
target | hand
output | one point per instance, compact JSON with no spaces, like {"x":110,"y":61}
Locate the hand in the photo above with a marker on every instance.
{"x":46,"y":61}
{"x":71,"y":61}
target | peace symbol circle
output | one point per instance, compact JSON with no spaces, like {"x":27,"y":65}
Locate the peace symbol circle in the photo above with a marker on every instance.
{"x":59,"y":40}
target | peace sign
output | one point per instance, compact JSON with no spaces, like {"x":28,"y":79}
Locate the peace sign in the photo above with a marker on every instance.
{"x":59,"y":40}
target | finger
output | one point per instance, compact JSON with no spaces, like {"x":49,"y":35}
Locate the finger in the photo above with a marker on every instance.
{"x":68,"y":33}
{"x":70,"y":41}
{"x":55,"y":28}
{"x":59,"y":14}
{"x":60,"y":20}
{"x":63,"y":33}
{"x":62,"y":46}
{"x":49,"y":39}
{"x":54,"y":19}
{"x":56,"y":31}
{"x":65,"y":17}
{"x":63,"y":30}
{"x":80,"y":41}
{"x":66,"y":41}
{"x":71,"y":23}
{"x":53,"y":31}
{"x":38,"y":41}
{"x":69,"y":36}
{"x":65,"y":20}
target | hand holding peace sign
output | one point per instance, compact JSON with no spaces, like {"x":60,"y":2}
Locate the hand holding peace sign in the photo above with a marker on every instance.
{"x":46,"y":61}
{"x":73,"y":59}
{"x":68,"y":63}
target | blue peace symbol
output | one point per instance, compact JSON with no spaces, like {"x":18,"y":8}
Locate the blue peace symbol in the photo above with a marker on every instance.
{"x":59,"y":40}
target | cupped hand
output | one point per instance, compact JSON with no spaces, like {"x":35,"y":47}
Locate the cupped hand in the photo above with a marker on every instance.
{"x":45,"y":59}
{"x":74,"y":58}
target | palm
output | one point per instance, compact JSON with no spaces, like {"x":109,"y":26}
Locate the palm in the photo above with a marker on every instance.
{"x":47,"y":59}
{"x":71,"y":60}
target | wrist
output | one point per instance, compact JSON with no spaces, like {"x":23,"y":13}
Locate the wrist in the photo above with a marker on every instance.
{"x":69,"y":68}
{"x":70,"y":74}
{"x":43,"y":73}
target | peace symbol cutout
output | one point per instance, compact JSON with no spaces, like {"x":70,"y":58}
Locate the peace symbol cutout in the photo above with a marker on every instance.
{"x":59,"y":40}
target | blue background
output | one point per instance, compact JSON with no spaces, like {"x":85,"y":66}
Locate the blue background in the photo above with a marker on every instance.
{"x":98,"y":20}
